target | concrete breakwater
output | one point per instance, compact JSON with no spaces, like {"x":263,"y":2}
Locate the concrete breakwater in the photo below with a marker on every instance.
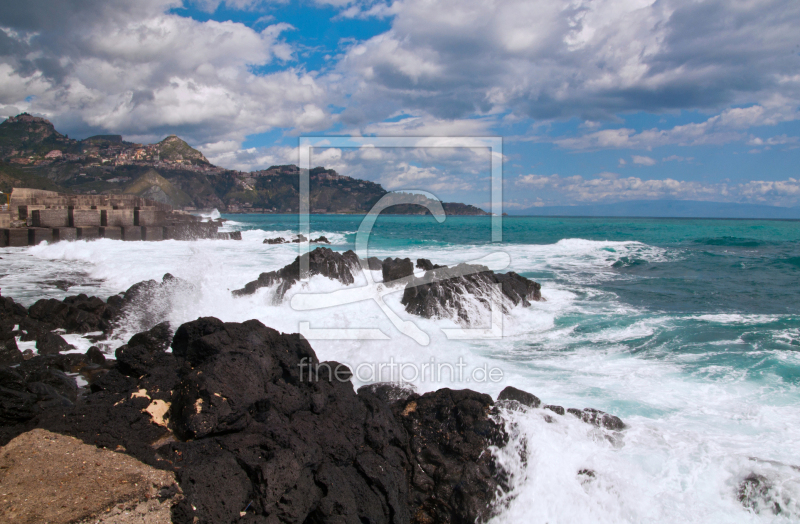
{"x":33,"y":216}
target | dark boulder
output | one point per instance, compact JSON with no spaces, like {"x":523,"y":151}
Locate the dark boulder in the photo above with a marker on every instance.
{"x":321,"y":261}
{"x":512,"y":394}
{"x":148,"y":303}
{"x":443,"y":292}
{"x":144,"y":351}
{"x":397,"y":268}
{"x":48,"y":343}
{"x":320,"y":240}
{"x":9,"y":352}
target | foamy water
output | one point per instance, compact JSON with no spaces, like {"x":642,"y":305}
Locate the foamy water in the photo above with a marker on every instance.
{"x":706,"y":396}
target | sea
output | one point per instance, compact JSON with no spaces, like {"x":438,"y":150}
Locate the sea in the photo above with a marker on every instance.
{"x":686,"y":329}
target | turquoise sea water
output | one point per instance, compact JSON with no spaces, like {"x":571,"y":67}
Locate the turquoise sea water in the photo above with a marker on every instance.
{"x":689,"y":330}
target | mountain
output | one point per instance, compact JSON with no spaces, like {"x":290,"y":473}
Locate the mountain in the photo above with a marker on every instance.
{"x":34,"y":154}
{"x":666,"y":208}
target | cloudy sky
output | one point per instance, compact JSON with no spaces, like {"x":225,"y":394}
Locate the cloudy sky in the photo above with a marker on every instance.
{"x":596,"y":100}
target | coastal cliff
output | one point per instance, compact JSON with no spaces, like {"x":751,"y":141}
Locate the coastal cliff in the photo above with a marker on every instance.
{"x":34,"y":154}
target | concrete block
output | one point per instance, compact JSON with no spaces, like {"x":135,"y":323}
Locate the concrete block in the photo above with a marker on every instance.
{"x":37,"y":235}
{"x":17,"y":237}
{"x":148,"y":217}
{"x":152,"y":233}
{"x":170,"y":232}
{"x":112,"y":233}
{"x":65,"y":234}
{"x":86,"y":218}
{"x":88,"y":233}
{"x":50,"y":218}
{"x":4,"y":237}
{"x":131,"y":233}
{"x":5,"y":220}
{"x":116,"y":217}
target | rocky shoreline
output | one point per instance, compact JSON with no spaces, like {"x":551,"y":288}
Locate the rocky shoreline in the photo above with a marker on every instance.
{"x":249,"y":432}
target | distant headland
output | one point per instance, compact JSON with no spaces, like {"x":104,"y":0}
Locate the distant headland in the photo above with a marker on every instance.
{"x":34,"y":155}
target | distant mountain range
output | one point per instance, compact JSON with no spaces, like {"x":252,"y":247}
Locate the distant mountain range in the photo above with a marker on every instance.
{"x":33,"y":154}
{"x":666,"y":208}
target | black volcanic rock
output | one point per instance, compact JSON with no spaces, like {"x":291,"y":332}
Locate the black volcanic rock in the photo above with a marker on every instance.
{"x":49,"y":343}
{"x":321,"y":261}
{"x":598,"y":418}
{"x":396,"y":268}
{"x":427,"y":265}
{"x":513,"y":394}
{"x":443,"y":292}
{"x":454,"y":479}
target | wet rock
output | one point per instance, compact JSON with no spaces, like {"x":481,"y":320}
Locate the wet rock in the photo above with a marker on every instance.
{"x":375,"y":264}
{"x":9,"y":352}
{"x":757,"y":493}
{"x":427,"y":265}
{"x":555,"y":409}
{"x":454,"y":480}
{"x":388,"y":392}
{"x":396,"y":268}
{"x":446,"y":292}
{"x":598,"y":418}
{"x":320,"y":240}
{"x":156,"y":339}
{"x":512,"y":394}
{"x":148,"y":303}
{"x":321,"y":261}
{"x":277,"y":240}
{"x":95,"y":356}
{"x":48,"y":343}
{"x":80,"y":314}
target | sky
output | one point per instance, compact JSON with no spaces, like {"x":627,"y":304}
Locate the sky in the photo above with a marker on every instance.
{"x":596,"y":101}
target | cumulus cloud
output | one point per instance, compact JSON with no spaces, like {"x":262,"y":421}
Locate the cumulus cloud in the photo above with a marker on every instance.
{"x":590,"y":59}
{"x":136,"y":68}
{"x":605,"y":188}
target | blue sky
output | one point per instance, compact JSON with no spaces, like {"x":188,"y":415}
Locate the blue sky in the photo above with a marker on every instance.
{"x":596,"y":100}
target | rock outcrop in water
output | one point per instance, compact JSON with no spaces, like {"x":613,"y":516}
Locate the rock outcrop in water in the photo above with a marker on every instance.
{"x":441,"y":292}
{"x":446,"y":291}
{"x":322,"y":261}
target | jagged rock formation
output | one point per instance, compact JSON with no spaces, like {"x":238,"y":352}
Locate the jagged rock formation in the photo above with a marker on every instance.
{"x":257,"y":429}
{"x":446,"y":291}
{"x":322,"y":261}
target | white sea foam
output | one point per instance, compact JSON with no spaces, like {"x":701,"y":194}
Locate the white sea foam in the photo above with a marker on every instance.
{"x":693,"y":428}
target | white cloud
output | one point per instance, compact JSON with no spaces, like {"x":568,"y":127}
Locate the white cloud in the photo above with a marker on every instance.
{"x":136,"y":69}
{"x":643,"y":160}
{"x":604,"y":188}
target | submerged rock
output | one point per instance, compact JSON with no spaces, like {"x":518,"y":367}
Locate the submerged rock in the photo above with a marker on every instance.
{"x":321,"y":261}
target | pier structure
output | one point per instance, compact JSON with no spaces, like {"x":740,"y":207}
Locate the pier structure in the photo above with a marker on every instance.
{"x":32,"y":216}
